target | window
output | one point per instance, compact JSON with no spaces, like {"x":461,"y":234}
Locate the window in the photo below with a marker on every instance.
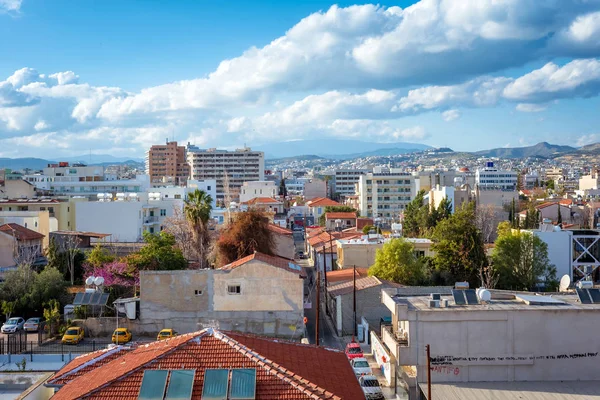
{"x":198,"y":292}
{"x":208,"y":188}
{"x":163,"y":212}
{"x":234,"y":289}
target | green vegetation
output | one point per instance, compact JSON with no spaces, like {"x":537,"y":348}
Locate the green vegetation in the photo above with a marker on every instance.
{"x":368,"y":228}
{"x":420,"y":219}
{"x":329,"y":209}
{"x":158,"y":254}
{"x":396,"y":261}
{"x":197,"y":212}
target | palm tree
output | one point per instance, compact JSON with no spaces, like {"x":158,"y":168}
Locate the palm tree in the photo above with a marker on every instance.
{"x":197,"y":209}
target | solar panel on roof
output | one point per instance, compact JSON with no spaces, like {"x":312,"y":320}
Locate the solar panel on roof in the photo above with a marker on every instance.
{"x":459,"y":297}
{"x":595,"y":295}
{"x":86,"y":298}
{"x":95,"y":298}
{"x":153,"y":384}
{"x":584,"y":296}
{"x":78,"y":298}
{"x":215,"y":384}
{"x":471,"y":296}
{"x":103,"y":299}
{"x":181,"y":384}
{"x":243,"y":384}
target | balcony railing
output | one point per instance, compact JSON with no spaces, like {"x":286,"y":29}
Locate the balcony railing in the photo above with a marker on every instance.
{"x":150,"y":220}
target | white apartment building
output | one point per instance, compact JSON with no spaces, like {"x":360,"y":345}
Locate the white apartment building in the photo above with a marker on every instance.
{"x":386,"y":194}
{"x":492,"y":177}
{"x":229,"y":168}
{"x":254,"y":189}
{"x":345,"y":181}
{"x":589,"y":182}
{"x":511,"y":343}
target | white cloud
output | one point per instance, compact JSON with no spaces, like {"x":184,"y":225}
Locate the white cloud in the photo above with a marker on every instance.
{"x":588,"y":139}
{"x":531,"y":108}
{"x":40,"y":126}
{"x":10,"y":5}
{"x":451,"y":115}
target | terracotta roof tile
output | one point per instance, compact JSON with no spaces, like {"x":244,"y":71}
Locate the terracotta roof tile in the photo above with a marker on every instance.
{"x":85,"y":363}
{"x":261,"y":200}
{"x":20,"y":232}
{"x":344,"y":275}
{"x":278,"y":229}
{"x":340,"y":215}
{"x":322,"y":202}
{"x":278,"y":262}
{"x":342,"y":288}
{"x":284,"y":370}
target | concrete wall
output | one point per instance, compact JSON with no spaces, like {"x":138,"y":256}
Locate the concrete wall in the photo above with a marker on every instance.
{"x":6,"y":250}
{"x":18,"y":189}
{"x":368,"y":306}
{"x":270,"y":302}
{"x":560,"y":250}
{"x":251,"y":190}
{"x":284,"y":246}
{"x":315,"y":188}
{"x":359,"y":255}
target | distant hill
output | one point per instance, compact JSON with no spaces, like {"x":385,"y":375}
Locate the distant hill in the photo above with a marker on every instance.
{"x":542,"y":149}
{"x":40,"y":163}
{"x":304,"y":157}
{"x":23,"y":163}
{"x":330,"y":148}
{"x":375,"y":153}
{"x":590,"y":149}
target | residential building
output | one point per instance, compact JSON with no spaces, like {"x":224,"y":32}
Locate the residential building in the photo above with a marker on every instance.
{"x":385,"y":195}
{"x":254,"y":189}
{"x":229,"y":168}
{"x":490,"y":177}
{"x":19,"y":245}
{"x":76,"y":239}
{"x":321,"y":247}
{"x":340,"y":220}
{"x":431,"y":179}
{"x":493,"y":345}
{"x":549,"y":212}
{"x":492,"y":196}
{"x":361,"y":251}
{"x":316,"y":206}
{"x":267,"y":204}
{"x":167,"y":164}
{"x":283,"y":240}
{"x":295,"y":186}
{"x":340,"y":299}
{"x":532,"y":180}
{"x":458,"y":196}
{"x":202,"y":363}
{"x":17,"y":189}
{"x":345,"y":181}
{"x":259,"y":294}
{"x":553,"y":174}
{"x":37,"y":221}
{"x":62,"y":210}
{"x":314,"y":188}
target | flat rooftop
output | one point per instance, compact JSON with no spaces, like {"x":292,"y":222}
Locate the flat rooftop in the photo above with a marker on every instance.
{"x":501,"y":301}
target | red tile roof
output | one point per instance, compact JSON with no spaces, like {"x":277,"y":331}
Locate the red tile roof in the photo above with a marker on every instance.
{"x":324,"y":237}
{"x":85,"y":363}
{"x":346,"y":287}
{"x":362,"y":222}
{"x":322,"y":202}
{"x":278,"y":229}
{"x":340,"y":215}
{"x":344,"y":275}
{"x":278,"y":262}
{"x":261,"y":200}
{"x":284,"y":370}
{"x":20,"y":232}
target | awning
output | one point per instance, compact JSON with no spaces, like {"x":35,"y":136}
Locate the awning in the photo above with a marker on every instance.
{"x":534,"y":390}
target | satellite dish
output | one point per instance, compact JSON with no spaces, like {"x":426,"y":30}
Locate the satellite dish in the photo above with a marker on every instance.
{"x":99,"y":281}
{"x":565,"y":282}
{"x":89,"y":280}
{"x":485,"y":295}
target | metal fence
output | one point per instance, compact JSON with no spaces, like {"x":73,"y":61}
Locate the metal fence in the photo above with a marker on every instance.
{"x":19,"y":344}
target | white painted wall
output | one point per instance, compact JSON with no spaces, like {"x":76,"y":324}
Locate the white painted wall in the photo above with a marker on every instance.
{"x":559,"y":250}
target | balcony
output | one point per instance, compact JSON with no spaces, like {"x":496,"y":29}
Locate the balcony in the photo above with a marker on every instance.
{"x":150,"y":220}
{"x":398,"y":345}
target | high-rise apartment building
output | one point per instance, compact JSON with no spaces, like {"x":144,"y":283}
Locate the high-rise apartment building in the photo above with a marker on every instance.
{"x":166,"y":164}
{"x":346,"y":180}
{"x":229,"y":168}
{"x":385,"y":194}
{"x":491,"y":177}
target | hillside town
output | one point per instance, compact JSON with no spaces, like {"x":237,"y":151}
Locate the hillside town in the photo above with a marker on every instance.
{"x":403,"y":279}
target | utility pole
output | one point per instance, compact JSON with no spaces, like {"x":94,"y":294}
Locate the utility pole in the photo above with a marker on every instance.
{"x":355,"y":334}
{"x":318,"y":305}
{"x":427,"y":349}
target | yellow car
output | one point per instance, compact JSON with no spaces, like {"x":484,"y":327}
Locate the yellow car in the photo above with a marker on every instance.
{"x":121,"y":335}
{"x":166,"y":334}
{"x":73,"y":335}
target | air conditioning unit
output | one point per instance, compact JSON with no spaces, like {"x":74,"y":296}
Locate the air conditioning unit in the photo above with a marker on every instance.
{"x":434,"y":304}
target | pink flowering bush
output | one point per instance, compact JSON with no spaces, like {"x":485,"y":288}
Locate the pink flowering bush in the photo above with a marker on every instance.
{"x":115,"y":273}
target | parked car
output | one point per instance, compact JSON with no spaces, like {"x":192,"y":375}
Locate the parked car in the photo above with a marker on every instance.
{"x":370,"y":387}
{"x":166,"y":334}
{"x":361,"y":366}
{"x":33,"y":324}
{"x":13,"y":325}
{"x":301,"y":255}
{"x":73,"y":335}
{"x":121,"y":335}
{"x":353,"y":350}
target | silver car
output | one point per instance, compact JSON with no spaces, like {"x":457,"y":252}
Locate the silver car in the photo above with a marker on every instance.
{"x":12,"y":325}
{"x":32,"y":324}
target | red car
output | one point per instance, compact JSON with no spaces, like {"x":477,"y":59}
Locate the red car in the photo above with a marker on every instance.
{"x":353,"y":350}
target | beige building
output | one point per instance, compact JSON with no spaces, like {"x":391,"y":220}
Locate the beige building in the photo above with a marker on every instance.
{"x":386,"y":194}
{"x":315,"y":188}
{"x":284,"y":242}
{"x":494,"y":345}
{"x":258,"y":294}
{"x":37,"y":221}
{"x":254,"y":189}
{"x":17,"y":189}
{"x":19,"y":245}
{"x":361,"y":252}
{"x":62,"y":210}
{"x":458,"y":196}
{"x":167,"y":163}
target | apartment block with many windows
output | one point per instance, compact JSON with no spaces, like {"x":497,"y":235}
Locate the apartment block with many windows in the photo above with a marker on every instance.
{"x":385,"y":195}
{"x":166,"y":164}
{"x":346,"y":180}
{"x":229,"y":168}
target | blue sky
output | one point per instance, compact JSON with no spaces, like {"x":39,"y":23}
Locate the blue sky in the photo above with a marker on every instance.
{"x":117,"y":76}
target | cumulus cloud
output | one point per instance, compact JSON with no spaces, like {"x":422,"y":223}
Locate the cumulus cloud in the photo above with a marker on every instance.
{"x":450,"y":115}
{"x":10,"y":5}
{"x":588,"y":139}
{"x":528,"y":107}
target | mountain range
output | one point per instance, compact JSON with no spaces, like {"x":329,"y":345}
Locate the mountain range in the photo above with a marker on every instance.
{"x":542,"y":149}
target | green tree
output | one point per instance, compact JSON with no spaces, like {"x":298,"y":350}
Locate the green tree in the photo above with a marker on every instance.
{"x":197,"y":210}
{"x":368,"y":228}
{"x":521,"y":261}
{"x":458,"y":246}
{"x":532,"y":220}
{"x":329,"y":209}
{"x":416,"y":216}
{"x":396,"y":261}
{"x":550,"y":184}
{"x":47,"y":285}
{"x":8,"y":307}
{"x":52,"y":314}
{"x":559,"y":216}
{"x":282,"y":188}
{"x":99,"y":256}
{"x":159,"y":253}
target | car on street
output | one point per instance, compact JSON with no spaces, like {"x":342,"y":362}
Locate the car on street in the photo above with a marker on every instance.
{"x":370,"y":387}
{"x":73,"y":335}
{"x":13,"y":325}
{"x":121,"y":335}
{"x":33,"y":324}
{"x":361,"y":366}
{"x":166,"y":334}
{"x":301,"y":255}
{"x":353,"y":350}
